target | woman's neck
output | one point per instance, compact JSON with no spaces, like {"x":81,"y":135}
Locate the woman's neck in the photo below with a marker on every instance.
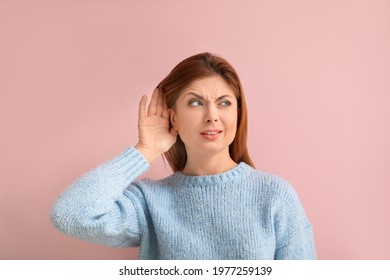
{"x":203,"y":164}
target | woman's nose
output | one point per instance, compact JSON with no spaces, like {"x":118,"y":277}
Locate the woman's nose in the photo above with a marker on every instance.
{"x":211,"y":114}
{"x":211,"y":120}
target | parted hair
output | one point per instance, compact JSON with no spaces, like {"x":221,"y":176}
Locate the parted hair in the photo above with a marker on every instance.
{"x":196,"y":67}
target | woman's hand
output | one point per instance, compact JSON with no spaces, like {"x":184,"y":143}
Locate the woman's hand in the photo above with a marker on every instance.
{"x":153,"y":127}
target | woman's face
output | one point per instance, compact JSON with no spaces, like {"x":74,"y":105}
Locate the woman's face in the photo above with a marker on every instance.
{"x":205,"y":115}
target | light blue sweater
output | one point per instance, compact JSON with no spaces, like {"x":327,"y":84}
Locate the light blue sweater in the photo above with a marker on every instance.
{"x":240,"y":214}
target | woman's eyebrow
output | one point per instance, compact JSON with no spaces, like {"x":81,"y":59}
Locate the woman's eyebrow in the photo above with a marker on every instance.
{"x":196,"y":95}
{"x":202,"y":98}
{"x":224,"y":96}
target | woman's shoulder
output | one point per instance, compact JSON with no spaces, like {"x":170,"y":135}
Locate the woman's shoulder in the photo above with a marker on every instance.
{"x":272,"y":184}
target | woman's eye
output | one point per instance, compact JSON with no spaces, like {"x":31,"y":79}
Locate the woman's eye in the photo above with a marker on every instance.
{"x":225,"y":103}
{"x":195,"y":103}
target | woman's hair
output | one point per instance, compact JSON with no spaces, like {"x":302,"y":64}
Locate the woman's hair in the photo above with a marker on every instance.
{"x":197,"y":67}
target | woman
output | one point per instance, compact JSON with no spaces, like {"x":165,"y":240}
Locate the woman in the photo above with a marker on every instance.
{"x":214,"y":206}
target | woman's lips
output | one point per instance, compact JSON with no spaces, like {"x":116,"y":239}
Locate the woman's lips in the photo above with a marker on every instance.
{"x":211,"y":134}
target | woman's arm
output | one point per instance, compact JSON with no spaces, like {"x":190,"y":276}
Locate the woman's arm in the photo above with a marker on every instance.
{"x":94,"y":207}
{"x":300,"y":247}
{"x":294,"y":235}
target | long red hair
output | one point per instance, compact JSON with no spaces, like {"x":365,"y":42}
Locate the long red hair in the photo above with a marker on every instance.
{"x":196,"y":67}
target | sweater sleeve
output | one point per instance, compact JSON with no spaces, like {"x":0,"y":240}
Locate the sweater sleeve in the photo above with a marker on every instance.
{"x":96,"y":206}
{"x":294,"y":235}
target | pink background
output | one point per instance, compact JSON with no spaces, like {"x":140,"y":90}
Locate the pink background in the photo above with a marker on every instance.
{"x":317,"y":81}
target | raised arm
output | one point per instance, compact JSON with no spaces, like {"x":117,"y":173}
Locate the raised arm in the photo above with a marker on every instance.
{"x":104,"y":205}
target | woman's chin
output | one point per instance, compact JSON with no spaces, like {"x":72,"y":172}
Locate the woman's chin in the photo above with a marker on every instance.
{"x":210,"y":150}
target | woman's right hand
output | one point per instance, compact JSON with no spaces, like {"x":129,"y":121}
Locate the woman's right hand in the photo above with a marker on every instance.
{"x":155,"y":138}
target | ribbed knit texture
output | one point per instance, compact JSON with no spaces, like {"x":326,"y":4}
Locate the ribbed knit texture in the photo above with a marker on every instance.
{"x":240,"y":214}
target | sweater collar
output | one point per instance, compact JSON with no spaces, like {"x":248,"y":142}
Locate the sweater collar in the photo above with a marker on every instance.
{"x":237,"y":172}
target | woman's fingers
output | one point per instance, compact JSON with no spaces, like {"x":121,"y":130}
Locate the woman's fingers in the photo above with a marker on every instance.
{"x":152,"y":110}
{"x":157,"y":106}
{"x":154,"y":134}
{"x":142,"y":107}
{"x":160,"y":103}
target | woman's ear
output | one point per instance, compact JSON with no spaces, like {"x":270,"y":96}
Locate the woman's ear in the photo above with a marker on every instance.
{"x":172,"y":118}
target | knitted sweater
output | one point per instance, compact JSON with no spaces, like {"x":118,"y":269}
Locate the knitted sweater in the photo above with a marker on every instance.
{"x":240,"y":214}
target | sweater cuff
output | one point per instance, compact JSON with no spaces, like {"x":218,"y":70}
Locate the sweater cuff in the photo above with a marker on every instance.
{"x":129,"y":164}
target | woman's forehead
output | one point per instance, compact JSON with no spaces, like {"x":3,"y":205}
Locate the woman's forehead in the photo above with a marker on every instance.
{"x":213,"y":86}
